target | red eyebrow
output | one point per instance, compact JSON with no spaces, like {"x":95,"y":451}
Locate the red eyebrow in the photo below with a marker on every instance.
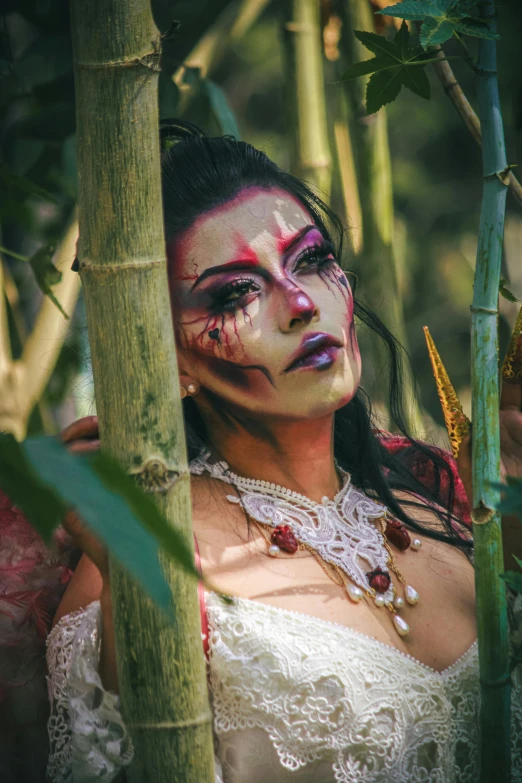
{"x":287,"y":243}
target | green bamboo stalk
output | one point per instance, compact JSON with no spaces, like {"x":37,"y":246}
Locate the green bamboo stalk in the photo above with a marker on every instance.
{"x":310,"y":156}
{"x":122,"y":264}
{"x":492,"y":628}
{"x":376,"y":260}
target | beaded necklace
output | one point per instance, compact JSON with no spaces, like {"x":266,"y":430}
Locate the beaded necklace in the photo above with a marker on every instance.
{"x":349,"y":535}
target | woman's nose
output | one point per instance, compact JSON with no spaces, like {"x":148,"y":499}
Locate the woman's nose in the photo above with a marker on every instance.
{"x":297,"y":309}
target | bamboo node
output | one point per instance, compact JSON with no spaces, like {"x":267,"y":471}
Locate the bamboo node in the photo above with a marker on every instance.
{"x":300,"y":27}
{"x":483,"y":310}
{"x":155,"y":475}
{"x":199,"y":720}
{"x":150,"y":60}
{"x":481,"y":515}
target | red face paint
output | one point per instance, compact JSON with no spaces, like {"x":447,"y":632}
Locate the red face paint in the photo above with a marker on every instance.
{"x":248,"y":281}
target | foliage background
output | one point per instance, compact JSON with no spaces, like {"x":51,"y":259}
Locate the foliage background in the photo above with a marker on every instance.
{"x":436,"y":174}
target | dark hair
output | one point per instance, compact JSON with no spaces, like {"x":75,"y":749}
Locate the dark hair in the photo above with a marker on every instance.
{"x":200,"y":173}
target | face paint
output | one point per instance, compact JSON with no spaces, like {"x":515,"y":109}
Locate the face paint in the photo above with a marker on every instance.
{"x":252,"y":282}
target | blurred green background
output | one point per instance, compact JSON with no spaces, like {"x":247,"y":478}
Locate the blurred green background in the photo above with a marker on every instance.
{"x":436,"y":169}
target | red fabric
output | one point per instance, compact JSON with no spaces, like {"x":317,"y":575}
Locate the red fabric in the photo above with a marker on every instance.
{"x":202,"y":603}
{"x":422,"y":468}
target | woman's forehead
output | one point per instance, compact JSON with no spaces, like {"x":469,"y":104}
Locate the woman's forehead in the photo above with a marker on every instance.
{"x":256,"y":220}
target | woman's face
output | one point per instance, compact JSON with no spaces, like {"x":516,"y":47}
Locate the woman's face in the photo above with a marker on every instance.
{"x":263,"y":313}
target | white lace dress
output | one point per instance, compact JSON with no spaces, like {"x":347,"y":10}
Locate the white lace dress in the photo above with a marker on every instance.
{"x":295,"y":700}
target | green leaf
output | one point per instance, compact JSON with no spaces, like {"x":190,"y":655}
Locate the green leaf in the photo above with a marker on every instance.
{"x":397,"y":63}
{"x":511,"y":493}
{"x":24,"y":488}
{"x":367,"y":66}
{"x":221,"y":109}
{"x":505,"y":292}
{"x":382,"y":88}
{"x":416,"y":80}
{"x":24,"y":186}
{"x":110,"y":509}
{"x":440,"y":19}
{"x":518,"y":560}
{"x":513,"y":579}
{"x":46,"y":274}
{"x":145,"y":509}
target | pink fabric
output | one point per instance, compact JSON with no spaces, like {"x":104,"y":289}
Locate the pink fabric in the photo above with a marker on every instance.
{"x":33,"y":578}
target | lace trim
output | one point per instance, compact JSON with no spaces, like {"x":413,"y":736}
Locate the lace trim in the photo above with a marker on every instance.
{"x":88,"y":739}
{"x":324,"y":692}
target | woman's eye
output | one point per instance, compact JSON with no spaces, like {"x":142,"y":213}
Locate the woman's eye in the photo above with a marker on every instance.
{"x":234,"y":294}
{"x":315,"y":257}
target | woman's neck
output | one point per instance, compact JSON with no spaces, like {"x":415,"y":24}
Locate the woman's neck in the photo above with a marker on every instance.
{"x":297,"y":455}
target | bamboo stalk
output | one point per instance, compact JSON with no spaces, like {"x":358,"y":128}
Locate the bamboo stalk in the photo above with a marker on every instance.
{"x":377,"y":261}
{"x":492,"y":628}
{"x":121,"y":254}
{"x":5,"y":345}
{"x":310,"y":156}
{"x":465,"y":111}
{"x":45,"y":341}
{"x":22,"y":382}
{"x":231,"y":25}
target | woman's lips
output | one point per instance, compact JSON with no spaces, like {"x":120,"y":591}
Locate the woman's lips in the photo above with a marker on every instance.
{"x":318,"y":360}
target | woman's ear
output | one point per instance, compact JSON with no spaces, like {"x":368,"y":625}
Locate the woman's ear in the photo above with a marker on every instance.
{"x":187,"y":385}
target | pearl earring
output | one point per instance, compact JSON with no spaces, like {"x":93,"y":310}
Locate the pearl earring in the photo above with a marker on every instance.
{"x":192,"y":388}
{"x":183,"y":392}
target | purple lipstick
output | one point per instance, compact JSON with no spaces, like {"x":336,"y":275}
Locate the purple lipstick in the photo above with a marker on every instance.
{"x":318,"y":351}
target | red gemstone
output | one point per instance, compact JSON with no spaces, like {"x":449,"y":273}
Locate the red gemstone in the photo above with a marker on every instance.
{"x":397,"y":534}
{"x":283,"y":537}
{"x":379,"y":580}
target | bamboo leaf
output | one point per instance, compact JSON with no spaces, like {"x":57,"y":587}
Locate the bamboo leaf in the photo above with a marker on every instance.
{"x":40,"y":504}
{"x":518,"y":560}
{"x":46,"y":274}
{"x":107,"y":501}
{"x":511,"y":493}
{"x":221,"y":109}
{"x":10,"y":180}
{"x":144,"y":509}
{"x":505,"y":292}
{"x":513,"y":579}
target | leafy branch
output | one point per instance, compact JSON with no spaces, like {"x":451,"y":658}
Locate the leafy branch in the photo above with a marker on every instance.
{"x":400,"y":62}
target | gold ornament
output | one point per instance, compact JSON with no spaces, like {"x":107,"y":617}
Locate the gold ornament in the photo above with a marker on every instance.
{"x":512,"y":364}
{"x":457,"y":423}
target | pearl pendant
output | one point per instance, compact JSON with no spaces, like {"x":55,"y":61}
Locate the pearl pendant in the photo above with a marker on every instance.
{"x":416,"y":544}
{"x":412,"y":595}
{"x":273,"y":550}
{"x":401,"y":626}
{"x":354,"y":593}
{"x":398,"y":602}
{"x":379,"y":601}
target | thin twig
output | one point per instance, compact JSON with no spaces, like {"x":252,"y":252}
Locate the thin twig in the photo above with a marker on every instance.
{"x":455,"y":93}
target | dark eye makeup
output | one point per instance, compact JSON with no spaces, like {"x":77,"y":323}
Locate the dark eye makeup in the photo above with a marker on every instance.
{"x":238,"y":292}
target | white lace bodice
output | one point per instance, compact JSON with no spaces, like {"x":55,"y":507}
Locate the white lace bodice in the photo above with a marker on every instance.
{"x":295,"y":699}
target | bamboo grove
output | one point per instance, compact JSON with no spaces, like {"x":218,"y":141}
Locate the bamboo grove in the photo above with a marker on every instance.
{"x":340,"y":148}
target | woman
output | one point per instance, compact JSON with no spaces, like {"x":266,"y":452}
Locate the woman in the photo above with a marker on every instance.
{"x":326,"y":666}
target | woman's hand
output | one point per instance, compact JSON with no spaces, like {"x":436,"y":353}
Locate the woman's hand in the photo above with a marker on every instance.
{"x":82,"y":437}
